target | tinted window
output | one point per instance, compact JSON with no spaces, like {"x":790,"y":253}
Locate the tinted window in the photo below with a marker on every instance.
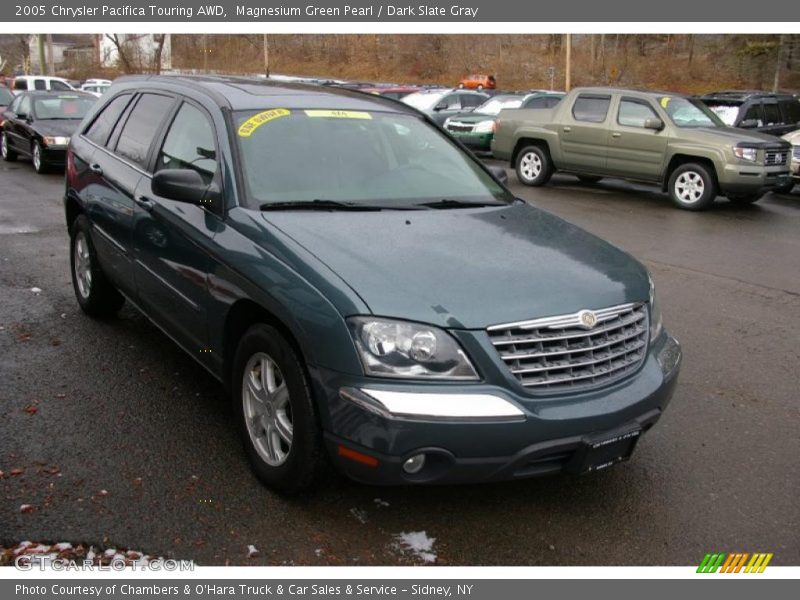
{"x":142,"y":126}
{"x":771,"y":113}
{"x":471,"y":101}
{"x":791,"y":111}
{"x":592,"y":109}
{"x":754,"y":112}
{"x":39,"y":84}
{"x":24,"y":108}
{"x":634,"y":114}
{"x":59,"y":86}
{"x":189,"y":144}
{"x":100,"y":130}
{"x":21,"y":84}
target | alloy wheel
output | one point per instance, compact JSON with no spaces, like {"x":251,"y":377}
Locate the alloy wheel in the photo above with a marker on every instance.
{"x":267,"y":409}
{"x":531,"y":166}
{"x":689,"y":187}
{"x":37,"y":157}
{"x":3,"y":145}
{"x":83,"y":265}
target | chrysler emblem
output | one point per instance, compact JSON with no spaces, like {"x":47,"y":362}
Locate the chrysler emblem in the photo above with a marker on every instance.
{"x":587,"y":318}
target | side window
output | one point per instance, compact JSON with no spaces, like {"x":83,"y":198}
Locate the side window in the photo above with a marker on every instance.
{"x":14,"y":106}
{"x":189,"y":144}
{"x":471,"y":100}
{"x":590,"y":108}
{"x":100,"y":129}
{"x":39,"y":84}
{"x":551,"y":102}
{"x":59,"y":85}
{"x":791,"y":111}
{"x":24,"y":108}
{"x":453,"y":102}
{"x":142,"y":126}
{"x":21,"y":84}
{"x":633,"y":113}
{"x":755,"y":112}
{"x":772,"y":115}
{"x":539,"y":102}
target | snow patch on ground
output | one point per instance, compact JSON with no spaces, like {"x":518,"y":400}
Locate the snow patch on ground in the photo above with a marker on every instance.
{"x":418,"y":544}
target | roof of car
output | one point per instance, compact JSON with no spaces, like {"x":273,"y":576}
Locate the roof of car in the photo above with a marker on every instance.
{"x":613,"y":90}
{"x":743,"y":95}
{"x":57,"y":94}
{"x":247,"y":93}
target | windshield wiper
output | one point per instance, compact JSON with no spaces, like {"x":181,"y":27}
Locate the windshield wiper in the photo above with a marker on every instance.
{"x":317,"y":205}
{"x":450,"y":203}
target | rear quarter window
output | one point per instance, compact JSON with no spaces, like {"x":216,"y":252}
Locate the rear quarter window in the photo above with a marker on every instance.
{"x":591,"y":109}
{"x":142,"y":126}
{"x":102,"y":126}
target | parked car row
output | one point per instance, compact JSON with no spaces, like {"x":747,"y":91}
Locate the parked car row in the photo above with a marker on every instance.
{"x":676,"y":142}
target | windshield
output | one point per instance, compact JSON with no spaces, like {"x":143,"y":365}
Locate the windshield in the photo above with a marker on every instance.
{"x":726,"y":111}
{"x":367,"y":158}
{"x":424,"y":101}
{"x":494,"y":105}
{"x":6,"y":97}
{"x":688,"y":112}
{"x":62,"y":107}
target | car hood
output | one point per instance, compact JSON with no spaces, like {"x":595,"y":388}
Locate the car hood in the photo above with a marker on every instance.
{"x":56,"y":127}
{"x":731,"y":135}
{"x":468,"y":268}
{"x":472,"y":117}
{"x":793,"y":137}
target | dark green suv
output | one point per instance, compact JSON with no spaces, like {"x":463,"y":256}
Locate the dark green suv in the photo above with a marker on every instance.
{"x":370,"y":295}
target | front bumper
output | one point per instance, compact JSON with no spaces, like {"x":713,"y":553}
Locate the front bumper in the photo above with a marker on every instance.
{"x":752,"y":179}
{"x":474,"y":141}
{"x":514,"y":435}
{"x":55,"y":155}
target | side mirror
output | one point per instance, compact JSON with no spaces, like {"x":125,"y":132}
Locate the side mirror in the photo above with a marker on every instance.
{"x":500,"y":173}
{"x":440,"y":106}
{"x":185,"y":185}
{"x":654,"y":123}
{"x":749,"y":124}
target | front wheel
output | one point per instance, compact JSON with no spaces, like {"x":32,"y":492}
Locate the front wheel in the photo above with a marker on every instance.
{"x":37,"y":158}
{"x":95,"y":295}
{"x":692,"y":187}
{"x":5,"y":149}
{"x":534,"y":166}
{"x":275,"y":412}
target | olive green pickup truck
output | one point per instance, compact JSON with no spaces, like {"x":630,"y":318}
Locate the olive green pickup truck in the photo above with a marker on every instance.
{"x":666,"y":139}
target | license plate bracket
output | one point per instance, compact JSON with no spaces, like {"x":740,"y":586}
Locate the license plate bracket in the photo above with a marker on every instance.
{"x":606,"y":449}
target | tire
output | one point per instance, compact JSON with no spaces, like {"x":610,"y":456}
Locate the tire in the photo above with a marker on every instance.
{"x":744,"y":199}
{"x":37,"y":158}
{"x":589,"y":178}
{"x":784,"y":189}
{"x":95,"y":295}
{"x":534,"y":166}
{"x":5,"y":149}
{"x":692,"y":187}
{"x":279,"y":427}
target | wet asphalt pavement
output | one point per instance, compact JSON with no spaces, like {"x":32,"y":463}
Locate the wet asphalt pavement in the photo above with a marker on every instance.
{"x":124,"y":441}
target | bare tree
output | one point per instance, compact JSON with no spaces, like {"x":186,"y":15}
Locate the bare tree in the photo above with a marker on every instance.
{"x":158,"y":51}
{"x":122,"y":51}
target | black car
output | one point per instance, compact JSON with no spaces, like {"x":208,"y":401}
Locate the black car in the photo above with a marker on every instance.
{"x":776,"y":114}
{"x":40,"y":125}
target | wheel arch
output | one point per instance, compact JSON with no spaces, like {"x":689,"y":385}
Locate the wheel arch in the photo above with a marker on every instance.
{"x":529,"y":141}
{"x":681,"y":159}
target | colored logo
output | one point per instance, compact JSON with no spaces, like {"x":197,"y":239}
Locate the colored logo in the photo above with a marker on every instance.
{"x":736,"y":562}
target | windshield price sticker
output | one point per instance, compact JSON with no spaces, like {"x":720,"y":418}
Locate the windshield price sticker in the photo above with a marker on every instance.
{"x":339,"y":114}
{"x":247,"y":128}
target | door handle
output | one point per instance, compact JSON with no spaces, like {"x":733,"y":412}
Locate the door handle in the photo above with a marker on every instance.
{"x":616,"y":134}
{"x":145,"y":202}
{"x":96,"y":169}
{"x":567,"y":129}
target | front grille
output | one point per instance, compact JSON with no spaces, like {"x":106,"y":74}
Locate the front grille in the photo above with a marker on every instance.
{"x":460,"y":127}
{"x":796,"y":152}
{"x":560,"y":353}
{"x":775,"y":158}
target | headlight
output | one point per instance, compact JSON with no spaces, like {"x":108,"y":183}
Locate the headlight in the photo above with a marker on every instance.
{"x":656,"y":320}
{"x":390,"y":348}
{"x":748,"y":154}
{"x":56,"y":141}
{"x":484,"y":126}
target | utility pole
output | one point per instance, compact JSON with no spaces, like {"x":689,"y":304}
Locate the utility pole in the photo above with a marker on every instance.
{"x":205,"y":54}
{"x":568,"y":82}
{"x":776,"y":82}
{"x":266,"y":55}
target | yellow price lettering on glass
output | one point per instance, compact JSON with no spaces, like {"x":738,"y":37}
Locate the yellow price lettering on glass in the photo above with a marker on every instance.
{"x":247,"y":128}
{"x":339,"y":114}
{"x":665,"y":101}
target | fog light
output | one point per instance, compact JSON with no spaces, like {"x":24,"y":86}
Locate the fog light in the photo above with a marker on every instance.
{"x":414,"y":464}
